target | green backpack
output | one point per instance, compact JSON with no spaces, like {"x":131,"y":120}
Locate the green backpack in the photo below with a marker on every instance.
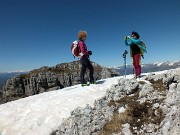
{"x":142,"y":47}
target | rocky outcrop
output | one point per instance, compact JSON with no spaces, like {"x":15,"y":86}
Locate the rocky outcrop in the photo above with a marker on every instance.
{"x":49,"y":78}
{"x":88,"y":120}
{"x":147,"y":107}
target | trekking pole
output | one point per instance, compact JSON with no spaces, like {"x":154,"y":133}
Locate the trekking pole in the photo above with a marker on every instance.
{"x":133,"y":71}
{"x":124,"y":56}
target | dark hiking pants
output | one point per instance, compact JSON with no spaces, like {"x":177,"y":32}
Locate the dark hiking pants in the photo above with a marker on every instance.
{"x":85,"y":63}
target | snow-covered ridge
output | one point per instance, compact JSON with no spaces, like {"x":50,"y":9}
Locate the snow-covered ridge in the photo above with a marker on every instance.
{"x":41,"y":114}
{"x":168,"y":63}
{"x":148,"y":67}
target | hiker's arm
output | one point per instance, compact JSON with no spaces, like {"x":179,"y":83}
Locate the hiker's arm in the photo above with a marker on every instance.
{"x":127,"y":43}
{"x":135,"y":41}
{"x":83,"y":48}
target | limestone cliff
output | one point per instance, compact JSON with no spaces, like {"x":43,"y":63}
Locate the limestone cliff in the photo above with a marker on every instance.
{"x":49,"y":78}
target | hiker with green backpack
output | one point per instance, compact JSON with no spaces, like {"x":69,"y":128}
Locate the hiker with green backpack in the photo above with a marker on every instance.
{"x":137,"y":49}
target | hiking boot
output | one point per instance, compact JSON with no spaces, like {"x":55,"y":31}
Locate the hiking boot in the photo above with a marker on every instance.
{"x":138,"y":77}
{"x":85,"y":84}
{"x":94,"y":82}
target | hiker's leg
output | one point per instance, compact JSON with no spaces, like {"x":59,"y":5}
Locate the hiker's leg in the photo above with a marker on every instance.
{"x":91,"y":71}
{"x":136,"y":63}
{"x":83,"y":70}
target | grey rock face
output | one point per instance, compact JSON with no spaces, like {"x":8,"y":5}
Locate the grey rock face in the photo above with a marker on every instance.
{"x":90,"y":120}
{"x":49,"y":78}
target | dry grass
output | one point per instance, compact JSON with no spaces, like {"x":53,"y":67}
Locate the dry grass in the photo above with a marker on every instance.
{"x":115,"y":125}
{"x":136,"y":114}
{"x":142,"y":82}
{"x":158,"y":85}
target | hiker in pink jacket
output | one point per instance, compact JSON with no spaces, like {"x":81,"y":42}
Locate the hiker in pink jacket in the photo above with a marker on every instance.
{"x":84,"y":58}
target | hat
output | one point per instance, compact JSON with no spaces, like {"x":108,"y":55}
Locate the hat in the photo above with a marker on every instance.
{"x":136,"y":34}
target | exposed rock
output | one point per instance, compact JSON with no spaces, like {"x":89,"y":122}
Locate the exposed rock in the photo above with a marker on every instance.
{"x":90,"y":121}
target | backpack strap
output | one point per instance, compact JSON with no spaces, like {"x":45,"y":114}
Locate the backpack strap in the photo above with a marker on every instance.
{"x":80,"y":52}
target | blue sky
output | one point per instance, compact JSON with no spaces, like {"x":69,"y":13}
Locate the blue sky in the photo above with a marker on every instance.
{"x":36,"y":33}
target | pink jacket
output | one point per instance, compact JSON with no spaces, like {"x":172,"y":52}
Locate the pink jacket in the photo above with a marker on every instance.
{"x":83,"y":49}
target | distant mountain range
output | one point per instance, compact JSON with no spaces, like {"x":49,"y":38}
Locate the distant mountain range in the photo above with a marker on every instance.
{"x":146,"y":68}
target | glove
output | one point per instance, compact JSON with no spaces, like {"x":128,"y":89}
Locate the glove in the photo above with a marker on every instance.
{"x":126,"y":37}
{"x":90,"y":52}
